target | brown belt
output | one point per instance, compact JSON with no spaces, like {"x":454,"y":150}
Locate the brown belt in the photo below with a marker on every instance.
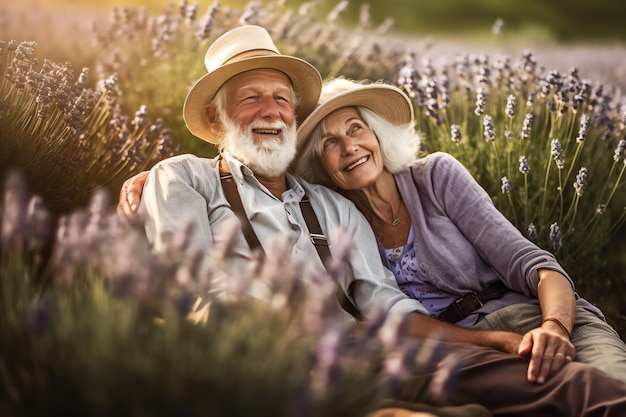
{"x":467,"y":304}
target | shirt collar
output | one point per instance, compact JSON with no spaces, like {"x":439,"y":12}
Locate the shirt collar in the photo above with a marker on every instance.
{"x":237,"y":168}
{"x":240,"y":171}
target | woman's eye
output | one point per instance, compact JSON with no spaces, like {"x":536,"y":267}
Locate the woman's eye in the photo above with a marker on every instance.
{"x":328,"y":143}
{"x":356,"y":127}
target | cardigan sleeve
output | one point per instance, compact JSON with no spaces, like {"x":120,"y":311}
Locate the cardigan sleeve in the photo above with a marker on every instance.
{"x":514,"y":258}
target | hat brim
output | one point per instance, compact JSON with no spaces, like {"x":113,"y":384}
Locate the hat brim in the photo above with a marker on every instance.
{"x":305,"y":79}
{"x":387,"y":101}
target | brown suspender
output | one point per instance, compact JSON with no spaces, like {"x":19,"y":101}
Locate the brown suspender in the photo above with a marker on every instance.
{"x":232,"y":195}
{"x":321,"y":244}
{"x":315,"y":231}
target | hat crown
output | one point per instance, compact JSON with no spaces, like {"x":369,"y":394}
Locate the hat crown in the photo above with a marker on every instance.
{"x":338,"y":86}
{"x":243,"y":42}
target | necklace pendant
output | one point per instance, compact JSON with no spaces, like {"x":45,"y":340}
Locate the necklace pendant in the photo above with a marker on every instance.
{"x":395,"y":222}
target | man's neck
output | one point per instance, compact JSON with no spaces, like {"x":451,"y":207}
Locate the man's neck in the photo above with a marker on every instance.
{"x":276,"y":185}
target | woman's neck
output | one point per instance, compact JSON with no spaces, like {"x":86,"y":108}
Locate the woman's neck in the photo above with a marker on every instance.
{"x":382,"y":205}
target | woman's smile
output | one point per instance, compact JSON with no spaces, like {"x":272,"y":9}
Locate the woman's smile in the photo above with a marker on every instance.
{"x":357,"y":163}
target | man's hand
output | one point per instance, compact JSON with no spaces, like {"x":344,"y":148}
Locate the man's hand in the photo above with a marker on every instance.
{"x":130,"y":195}
{"x":549,"y":349}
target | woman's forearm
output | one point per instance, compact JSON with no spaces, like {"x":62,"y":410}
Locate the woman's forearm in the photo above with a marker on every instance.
{"x":557,"y":300}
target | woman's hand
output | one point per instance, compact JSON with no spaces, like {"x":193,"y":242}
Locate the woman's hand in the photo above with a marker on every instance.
{"x":549,"y":348}
{"x":130,"y":195}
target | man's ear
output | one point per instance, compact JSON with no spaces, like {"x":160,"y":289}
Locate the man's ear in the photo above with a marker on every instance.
{"x":213,"y":119}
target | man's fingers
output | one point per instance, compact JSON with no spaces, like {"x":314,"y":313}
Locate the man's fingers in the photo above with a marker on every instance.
{"x":130,"y":194}
{"x":525,"y":345}
{"x":134,"y":188}
{"x":134,"y":197}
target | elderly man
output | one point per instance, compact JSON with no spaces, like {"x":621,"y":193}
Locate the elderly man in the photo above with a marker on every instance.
{"x":247,"y":104}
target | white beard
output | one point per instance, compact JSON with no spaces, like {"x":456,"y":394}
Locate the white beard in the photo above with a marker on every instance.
{"x":270,"y":157}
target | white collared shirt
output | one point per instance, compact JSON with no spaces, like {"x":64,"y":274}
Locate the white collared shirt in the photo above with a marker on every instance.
{"x":187,"y":188}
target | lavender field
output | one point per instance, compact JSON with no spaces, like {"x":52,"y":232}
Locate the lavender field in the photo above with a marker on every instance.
{"x":90,"y":97}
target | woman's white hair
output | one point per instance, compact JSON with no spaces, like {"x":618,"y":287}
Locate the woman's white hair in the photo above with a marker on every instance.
{"x":399,"y":145}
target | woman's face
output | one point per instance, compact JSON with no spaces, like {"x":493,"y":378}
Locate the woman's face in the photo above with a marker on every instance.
{"x":350,"y":151}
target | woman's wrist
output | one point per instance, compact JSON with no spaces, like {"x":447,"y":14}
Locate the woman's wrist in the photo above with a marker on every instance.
{"x":556,"y":323}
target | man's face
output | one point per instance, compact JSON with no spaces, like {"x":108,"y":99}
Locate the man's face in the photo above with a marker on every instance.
{"x":260,"y":95}
{"x":259,"y":123}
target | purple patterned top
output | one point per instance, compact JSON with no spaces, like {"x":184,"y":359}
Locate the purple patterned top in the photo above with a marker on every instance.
{"x":412,"y":281}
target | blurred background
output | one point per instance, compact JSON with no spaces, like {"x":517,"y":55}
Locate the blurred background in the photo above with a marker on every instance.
{"x":551,"y":21}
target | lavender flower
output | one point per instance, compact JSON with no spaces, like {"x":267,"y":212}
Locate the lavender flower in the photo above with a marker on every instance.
{"x":619,"y":149}
{"x":531,"y":232}
{"x":581,"y":181}
{"x":339,"y":8}
{"x":557,"y":153}
{"x":506,"y":186}
{"x":408,"y":80}
{"x":455,"y":131}
{"x":14,"y":205}
{"x":527,"y":126}
{"x":481,"y":101}
{"x":327,"y":361}
{"x":555,"y":236}
{"x":523,"y":165}
{"x":582,"y":130}
{"x":489,"y":130}
{"x":432,"y":106}
{"x":39,"y":221}
{"x":511,"y":106}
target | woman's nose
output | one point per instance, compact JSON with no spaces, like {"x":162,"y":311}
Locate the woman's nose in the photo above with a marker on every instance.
{"x":349,"y":147}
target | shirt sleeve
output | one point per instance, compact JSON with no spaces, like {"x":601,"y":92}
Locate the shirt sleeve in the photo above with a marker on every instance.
{"x":171,"y":205}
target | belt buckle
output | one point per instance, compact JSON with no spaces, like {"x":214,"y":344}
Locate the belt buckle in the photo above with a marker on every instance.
{"x":468,"y":303}
{"x":477,"y":299}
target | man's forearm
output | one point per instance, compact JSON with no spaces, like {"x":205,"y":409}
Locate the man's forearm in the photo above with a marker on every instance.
{"x":422,"y":325}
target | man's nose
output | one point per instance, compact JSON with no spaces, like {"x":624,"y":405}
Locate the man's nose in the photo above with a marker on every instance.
{"x":269,"y":107}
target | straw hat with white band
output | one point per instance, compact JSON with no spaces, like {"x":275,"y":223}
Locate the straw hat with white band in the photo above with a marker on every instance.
{"x":242,"y":49}
{"x":386,"y":100}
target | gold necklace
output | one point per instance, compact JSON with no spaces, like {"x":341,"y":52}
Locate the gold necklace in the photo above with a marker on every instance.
{"x":396,"y":217}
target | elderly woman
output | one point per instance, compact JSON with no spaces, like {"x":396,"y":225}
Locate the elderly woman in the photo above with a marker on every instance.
{"x":447,"y":244}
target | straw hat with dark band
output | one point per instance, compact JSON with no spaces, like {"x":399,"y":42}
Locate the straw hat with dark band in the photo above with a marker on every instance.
{"x":386,"y":100}
{"x":242,"y":49}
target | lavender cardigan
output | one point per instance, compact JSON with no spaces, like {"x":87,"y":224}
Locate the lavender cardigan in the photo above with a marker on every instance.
{"x":463,"y":242}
